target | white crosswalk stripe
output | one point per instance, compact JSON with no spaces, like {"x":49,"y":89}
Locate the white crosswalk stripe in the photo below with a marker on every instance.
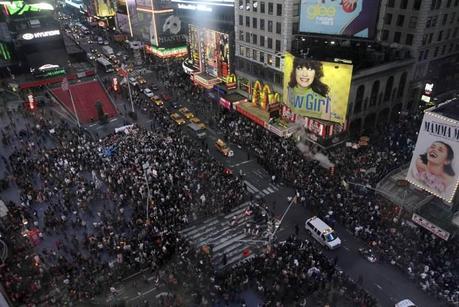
{"x":224,"y":237}
{"x":272,"y":188}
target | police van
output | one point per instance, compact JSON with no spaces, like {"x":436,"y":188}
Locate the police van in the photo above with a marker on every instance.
{"x":322,"y":232}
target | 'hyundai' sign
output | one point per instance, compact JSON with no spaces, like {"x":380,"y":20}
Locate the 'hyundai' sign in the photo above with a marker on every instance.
{"x":30,"y":36}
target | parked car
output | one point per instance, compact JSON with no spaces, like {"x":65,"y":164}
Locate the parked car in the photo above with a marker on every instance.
{"x":178,"y":119}
{"x":141,"y":80}
{"x":148,"y":92}
{"x":223,"y":148}
{"x":185,"y":112}
{"x":132,"y":81}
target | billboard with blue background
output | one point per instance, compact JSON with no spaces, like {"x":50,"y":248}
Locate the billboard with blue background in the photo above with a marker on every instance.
{"x":340,"y":17}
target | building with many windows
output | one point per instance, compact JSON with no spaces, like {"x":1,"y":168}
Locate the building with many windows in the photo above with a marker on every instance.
{"x":429,"y":31}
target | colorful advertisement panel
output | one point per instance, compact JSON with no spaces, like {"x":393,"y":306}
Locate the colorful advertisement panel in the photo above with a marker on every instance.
{"x":435,"y":163}
{"x":210,"y":51}
{"x":104,"y":8}
{"x":347,"y":17}
{"x":317,"y":89}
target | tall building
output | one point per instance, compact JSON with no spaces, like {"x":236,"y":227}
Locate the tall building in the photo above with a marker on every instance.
{"x":266,"y":30}
{"x":428,"y":29}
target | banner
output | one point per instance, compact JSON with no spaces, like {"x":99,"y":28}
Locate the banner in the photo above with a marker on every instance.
{"x":347,"y":17}
{"x":170,"y":30}
{"x":317,"y":89}
{"x":435,"y":165}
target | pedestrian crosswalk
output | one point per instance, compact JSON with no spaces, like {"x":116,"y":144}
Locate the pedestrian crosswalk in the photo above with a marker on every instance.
{"x":271,"y":188}
{"x":227,"y":237}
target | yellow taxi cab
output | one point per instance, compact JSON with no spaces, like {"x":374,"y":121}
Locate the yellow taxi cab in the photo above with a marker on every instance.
{"x":186,"y":113}
{"x":157,"y":101}
{"x":141,"y":80}
{"x":198,"y":122}
{"x":223,"y":148}
{"x":178,"y":119}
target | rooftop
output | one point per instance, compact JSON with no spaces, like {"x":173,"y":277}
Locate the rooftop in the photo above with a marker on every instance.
{"x":448,"y":109}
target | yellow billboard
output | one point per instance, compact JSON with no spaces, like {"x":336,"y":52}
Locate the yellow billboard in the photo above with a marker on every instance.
{"x":317,"y":89}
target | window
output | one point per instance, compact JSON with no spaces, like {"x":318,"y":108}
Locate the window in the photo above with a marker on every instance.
{"x":404,"y":4}
{"x":409,"y":39}
{"x":254,"y":39}
{"x":388,"y":19}
{"x":270,"y":8}
{"x":296,"y":10}
{"x":262,"y":7}
{"x":440,"y":36}
{"x":374,"y":93}
{"x":438,"y":4}
{"x":401,"y":85}
{"x":400,"y":20}
{"x":278,"y":28}
{"x":247,"y":5}
{"x":426,"y":54}
{"x":255,"y":6}
{"x":421,"y":53}
{"x":391,"y":3}
{"x":432,"y":5}
{"x":277,"y":62}
{"x":270,"y":59}
{"x":444,"y":20}
{"x":262,"y":24}
{"x":428,"y":22}
{"x":397,"y":36}
{"x":270,"y":43}
{"x":254,"y":22}
{"x":279,"y":9}
{"x":247,"y":37}
{"x":278,"y":45}
{"x":448,"y":34}
{"x":385,"y":35}
{"x":417,"y":4}
{"x":424,"y":39}
{"x":389,"y":85}
{"x":241,"y":51}
{"x":270,"y":26}
{"x":413,"y":22}
{"x":436,"y":52}
{"x":453,"y":16}
{"x":247,"y":52}
{"x":241,"y":36}
{"x":254,"y":54}
{"x":241,"y":4}
{"x":430,"y":38}
{"x":241,"y":20}
{"x":359,"y":99}
{"x":262,"y":57}
{"x":448,"y":4}
{"x":434,"y":21}
{"x":295,"y":27}
{"x":262,"y":41}
{"x":443,"y":49}
{"x":247,"y":21}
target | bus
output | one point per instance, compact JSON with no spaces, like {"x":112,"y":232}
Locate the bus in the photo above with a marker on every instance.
{"x":47,"y":70}
{"x":105,"y":64}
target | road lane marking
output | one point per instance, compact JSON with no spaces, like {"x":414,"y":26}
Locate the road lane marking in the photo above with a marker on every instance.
{"x":379,"y":287}
{"x":266,"y":191}
{"x":270,"y":190}
{"x":346,"y":248}
{"x":241,"y":163}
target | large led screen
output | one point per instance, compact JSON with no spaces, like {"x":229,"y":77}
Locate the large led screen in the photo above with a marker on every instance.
{"x":340,"y":17}
{"x":170,"y":30}
{"x":435,"y":163}
{"x":317,"y":89}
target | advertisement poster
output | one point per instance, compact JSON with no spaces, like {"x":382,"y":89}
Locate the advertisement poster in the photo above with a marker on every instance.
{"x":193,"y":43}
{"x":171,"y":30}
{"x":317,"y":89}
{"x":104,"y":8}
{"x":434,"y":166}
{"x":347,"y":17}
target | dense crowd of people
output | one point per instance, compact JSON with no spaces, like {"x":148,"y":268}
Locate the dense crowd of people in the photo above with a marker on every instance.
{"x":93,"y":211}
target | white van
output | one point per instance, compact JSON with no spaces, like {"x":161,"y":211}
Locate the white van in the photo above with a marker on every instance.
{"x":322,"y":232}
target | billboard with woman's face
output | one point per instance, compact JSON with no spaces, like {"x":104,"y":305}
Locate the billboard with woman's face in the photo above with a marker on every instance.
{"x":317,"y":89}
{"x":435,"y":163}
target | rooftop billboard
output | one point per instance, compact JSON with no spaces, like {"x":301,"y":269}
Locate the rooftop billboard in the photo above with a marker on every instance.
{"x":435,"y":163}
{"x":347,"y":17}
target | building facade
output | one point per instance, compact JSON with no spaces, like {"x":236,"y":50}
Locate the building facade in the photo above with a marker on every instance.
{"x":428,"y":30}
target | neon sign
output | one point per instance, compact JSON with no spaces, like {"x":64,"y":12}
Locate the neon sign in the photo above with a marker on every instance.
{"x":30,"y":36}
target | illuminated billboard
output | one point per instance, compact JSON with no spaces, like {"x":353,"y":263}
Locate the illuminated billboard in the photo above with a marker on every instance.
{"x":209,"y":51}
{"x":170,"y":30}
{"x":104,"y":8}
{"x":434,"y":166}
{"x":347,"y":17}
{"x":19,"y":8}
{"x":317,"y":89}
